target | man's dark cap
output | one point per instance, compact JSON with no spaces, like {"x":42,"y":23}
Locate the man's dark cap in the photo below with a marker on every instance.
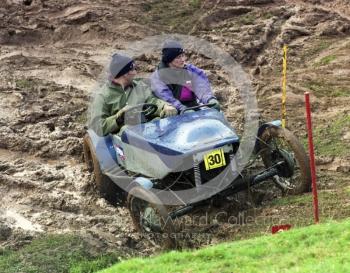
{"x":120,"y":65}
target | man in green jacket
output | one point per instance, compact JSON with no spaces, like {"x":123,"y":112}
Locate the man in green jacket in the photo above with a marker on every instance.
{"x":120,"y":93}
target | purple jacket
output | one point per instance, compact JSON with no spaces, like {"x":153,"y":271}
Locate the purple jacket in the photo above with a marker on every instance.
{"x":161,"y":79}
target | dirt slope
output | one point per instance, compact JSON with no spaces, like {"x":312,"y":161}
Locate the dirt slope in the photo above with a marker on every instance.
{"x":52,"y":53}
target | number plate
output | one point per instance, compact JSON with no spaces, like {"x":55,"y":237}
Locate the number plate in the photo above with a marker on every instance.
{"x":214,"y":159}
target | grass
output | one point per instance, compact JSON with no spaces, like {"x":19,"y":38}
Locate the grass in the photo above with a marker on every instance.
{"x":328,"y":137}
{"x":325,"y":197}
{"x":82,"y":118}
{"x":89,"y":266}
{"x":292,"y":200}
{"x":317,"y":248}
{"x":25,"y":83}
{"x":247,"y":19}
{"x":322,"y":88}
{"x":347,"y":189}
{"x":177,"y":16}
{"x":267,"y":15}
{"x":326,"y":60}
{"x":318,"y":47}
{"x":341,"y":92}
{"x":55,"y":253}
{"x":196,"y":3}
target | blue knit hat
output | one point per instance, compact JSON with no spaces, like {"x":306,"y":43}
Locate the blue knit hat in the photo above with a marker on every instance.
{"x":120,"y":65}
{"x":171,"y":49}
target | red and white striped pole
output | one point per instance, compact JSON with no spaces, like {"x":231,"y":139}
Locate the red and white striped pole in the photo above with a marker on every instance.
{"x":312,"y":155}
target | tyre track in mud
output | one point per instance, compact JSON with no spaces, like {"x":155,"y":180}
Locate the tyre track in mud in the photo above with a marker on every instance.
{"x":41,"y":196}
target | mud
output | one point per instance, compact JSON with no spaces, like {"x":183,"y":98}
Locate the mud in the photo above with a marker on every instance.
{"x":51,"y":56}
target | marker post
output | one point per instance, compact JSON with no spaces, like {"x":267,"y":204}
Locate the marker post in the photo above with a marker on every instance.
{"x":312,"y":156}
{"x":284,"y":87}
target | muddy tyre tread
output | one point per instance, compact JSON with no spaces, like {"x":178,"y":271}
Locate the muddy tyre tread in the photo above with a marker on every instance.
{"x":300,"y":156}
{"x":168,"y":228}
{"x":102,"y":182}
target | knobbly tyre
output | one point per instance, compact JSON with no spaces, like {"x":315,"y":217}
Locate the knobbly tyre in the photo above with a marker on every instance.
{"x":149,"y":163}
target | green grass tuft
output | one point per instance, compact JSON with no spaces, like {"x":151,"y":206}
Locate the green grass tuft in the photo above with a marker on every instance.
{"x":82,"y":118}
{"x":25,"y":83}
{"x":326,"y":60}
{"x":195,"y":3}
{"x":292,"y":200}
{"x":302,"y":200}
{"x":347,"y":189}
{"x":99,"y":263}
{"x":267,"y":15}
{"x":167,"y":16}
{"x":322,"y":88}
{"x":317,"y":46}
{"x":328,"y":138}
{"x":247,"y":19}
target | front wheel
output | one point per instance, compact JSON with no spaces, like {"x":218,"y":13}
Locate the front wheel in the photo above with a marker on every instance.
{"x":279,"y":142}
{"x":150,"y":217}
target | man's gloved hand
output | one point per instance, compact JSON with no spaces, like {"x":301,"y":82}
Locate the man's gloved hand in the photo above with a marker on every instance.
{"x":121,"y":115}
{"x":216,"y":104}
{"x":168,"y":111}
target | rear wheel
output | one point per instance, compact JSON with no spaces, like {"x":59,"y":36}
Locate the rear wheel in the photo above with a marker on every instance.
{"x":104,"y":185}
{"x":150,"y":217}
{"x":279,"y":143}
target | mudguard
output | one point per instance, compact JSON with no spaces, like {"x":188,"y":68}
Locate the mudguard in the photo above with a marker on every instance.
{"x":104,"y":150}
{"x":143,"y":182}
{"x":274,"y":123}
